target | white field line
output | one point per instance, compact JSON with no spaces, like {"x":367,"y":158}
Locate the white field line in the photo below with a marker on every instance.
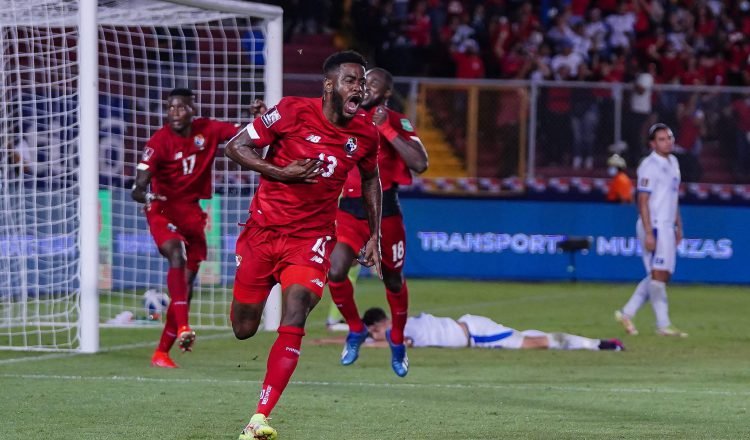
{"x":518,"y":387}
{"x":151,"y":343}
{"x":477,"y":305}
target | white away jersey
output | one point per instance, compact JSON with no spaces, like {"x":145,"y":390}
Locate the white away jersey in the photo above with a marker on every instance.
{"x":426,"y":330}
{"x":660,"y":176}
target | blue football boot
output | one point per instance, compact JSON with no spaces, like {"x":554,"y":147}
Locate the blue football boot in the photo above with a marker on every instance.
{"x":399,"y":360}
{"x":351,"y":346}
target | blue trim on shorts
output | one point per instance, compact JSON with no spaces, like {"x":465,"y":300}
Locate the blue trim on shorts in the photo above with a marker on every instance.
{"x":491,"y":338}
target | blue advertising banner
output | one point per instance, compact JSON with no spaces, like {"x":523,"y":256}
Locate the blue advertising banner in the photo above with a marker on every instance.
{"x":447,"y":238}
{"x":497,"y":239}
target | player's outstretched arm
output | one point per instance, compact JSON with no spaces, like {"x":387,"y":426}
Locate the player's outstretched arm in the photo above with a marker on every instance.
{"x":411,"y":150}
{"x":140,"y":192}
{"x":242,"y":150}
{"x":372,"y":194}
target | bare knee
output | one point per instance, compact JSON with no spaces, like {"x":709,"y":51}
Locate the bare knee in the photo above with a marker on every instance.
{"x":174,"y":252}
{"x":244,"y":330}
{"x":298,"y":302}
{"x":337,"y":274}
{"x":341,"y":261}
{"x":393,"y":281}
{"x":246,"y":319}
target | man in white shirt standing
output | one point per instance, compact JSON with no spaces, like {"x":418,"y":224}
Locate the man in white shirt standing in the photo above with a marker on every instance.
{"x":659,"y":229}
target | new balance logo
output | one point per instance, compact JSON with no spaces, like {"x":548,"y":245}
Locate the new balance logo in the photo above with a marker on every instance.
{"x":317,"y":259}
{"x":265,"y":393}
{"x":313,"y":138}
{"x":317,"y":282}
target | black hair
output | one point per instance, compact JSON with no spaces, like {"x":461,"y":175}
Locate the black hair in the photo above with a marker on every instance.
{"x":335,"y":61}
{"x":656,"y":127}
{"x":181,"y":91}
{"x":373,"y":315}
{"x":386,"y":74}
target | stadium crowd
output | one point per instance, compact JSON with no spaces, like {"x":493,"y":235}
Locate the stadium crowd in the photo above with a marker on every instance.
{"x":638,"y":42}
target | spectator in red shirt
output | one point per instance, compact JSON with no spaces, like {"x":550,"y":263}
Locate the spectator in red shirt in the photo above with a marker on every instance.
{"x":672,"y":65}
{"x":469,"y":64}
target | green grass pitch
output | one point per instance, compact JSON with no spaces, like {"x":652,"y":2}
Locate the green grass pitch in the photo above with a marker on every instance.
{"x":660,"y":388}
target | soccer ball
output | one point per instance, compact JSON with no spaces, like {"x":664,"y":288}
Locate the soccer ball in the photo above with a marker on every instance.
{"x":155,"y":303}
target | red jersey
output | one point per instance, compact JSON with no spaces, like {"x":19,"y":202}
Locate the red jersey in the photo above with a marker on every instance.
{"x":181,"y":166}
{"x":393,"y":169}
{"x":297,"y":129}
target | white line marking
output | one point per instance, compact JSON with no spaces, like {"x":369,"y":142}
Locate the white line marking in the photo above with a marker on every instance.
{"x":150,"y":343}
{"x":234,"y":382}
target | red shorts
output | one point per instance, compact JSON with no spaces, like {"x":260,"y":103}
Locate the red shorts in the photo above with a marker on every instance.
{"x":266,"y":257}
{"x":355,"y":232}
{"x":180,"y":221}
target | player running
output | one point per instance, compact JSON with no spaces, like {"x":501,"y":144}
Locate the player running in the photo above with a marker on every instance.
{"x":659,"y":229}
{"x":314,"y":144}
{"x":401,"y":152}
{"x":177,"y":162}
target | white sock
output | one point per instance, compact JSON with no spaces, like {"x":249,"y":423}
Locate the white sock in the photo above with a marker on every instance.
{"x":658,"y":291}
{"x":565,"y":341}
{"x":574,"y":342}
{"x":639,"y":297}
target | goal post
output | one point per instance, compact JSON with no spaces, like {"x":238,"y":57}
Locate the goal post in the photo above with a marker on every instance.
{"x":83,"y":88}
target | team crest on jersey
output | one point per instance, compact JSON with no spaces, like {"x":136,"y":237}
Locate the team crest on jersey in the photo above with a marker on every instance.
{"x":147,"y":153}
{"x":199,"y":141}
{"x":406,"y":125}
{"x":351,"y":146}
{"x":271,"y":117}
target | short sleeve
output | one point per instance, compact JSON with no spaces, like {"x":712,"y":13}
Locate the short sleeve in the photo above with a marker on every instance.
{"x":403,"y":125}
{"x":225,"y":130}
{"x":646,"y":177}
{"x":273,"y":124}
{"x":151,"y":154}
{"x":370,"y":161}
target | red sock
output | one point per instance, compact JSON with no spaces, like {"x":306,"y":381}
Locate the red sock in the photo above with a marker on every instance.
{"x":343,"y":296}
{"x":169,"y":334}
{"x":399,"y":302}
{"x":178,"y":291}
{"x":282,"y":360}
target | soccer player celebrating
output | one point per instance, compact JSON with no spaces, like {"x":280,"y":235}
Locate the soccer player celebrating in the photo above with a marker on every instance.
{"x":426,"y":330}
{"x":177,"y":162}
{"x":659,"y":228}
{"x":402,"y":152}
{"x":313,"y":144}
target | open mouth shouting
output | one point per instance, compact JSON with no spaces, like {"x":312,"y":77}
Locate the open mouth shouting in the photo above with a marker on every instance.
{"x":351,"y":105}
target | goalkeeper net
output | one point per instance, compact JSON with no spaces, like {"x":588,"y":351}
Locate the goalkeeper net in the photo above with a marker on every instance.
{"x":226,"y":51}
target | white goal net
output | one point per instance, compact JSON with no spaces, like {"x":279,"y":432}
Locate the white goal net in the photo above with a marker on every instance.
{"x":226,"y":51}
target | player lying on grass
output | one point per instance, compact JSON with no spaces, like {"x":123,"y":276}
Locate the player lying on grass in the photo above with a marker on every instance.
{"x":425,"y":330}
